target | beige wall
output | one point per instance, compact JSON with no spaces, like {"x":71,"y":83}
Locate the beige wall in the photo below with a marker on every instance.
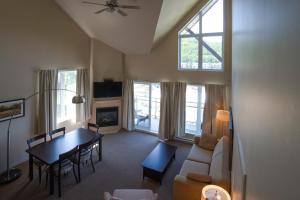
{"x":107,"y":62}
{"x":33,"y":34}
{"x":266,"y":95}
{"x":161,"y":64}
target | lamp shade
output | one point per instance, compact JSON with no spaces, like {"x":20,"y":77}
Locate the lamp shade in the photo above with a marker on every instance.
{"x":78,"y":99}
{"x":223,"y":115}
{"x":214,"y":192}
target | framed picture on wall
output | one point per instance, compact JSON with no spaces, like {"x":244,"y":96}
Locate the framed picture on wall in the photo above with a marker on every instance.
{"x":12,"y":109}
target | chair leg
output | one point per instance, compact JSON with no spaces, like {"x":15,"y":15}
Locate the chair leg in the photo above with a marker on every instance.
{"x":40,"y":174}
{"x":78,"y":169}
{"x":46,"y":179}
{"x":75,"y":173}
{"x":59,"y":184}
{"x":92,"y":164}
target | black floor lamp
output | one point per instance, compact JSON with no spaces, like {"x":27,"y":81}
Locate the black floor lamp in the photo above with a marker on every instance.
{"x":12,"y":174}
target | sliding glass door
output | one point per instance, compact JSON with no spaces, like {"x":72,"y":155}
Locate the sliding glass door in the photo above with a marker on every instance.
{"x":195,"y":99}
{"x":147,"y":106}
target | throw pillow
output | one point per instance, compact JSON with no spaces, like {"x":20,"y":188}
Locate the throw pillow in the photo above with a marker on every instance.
{"x":208,"y":141}
{"x":199,"y":177}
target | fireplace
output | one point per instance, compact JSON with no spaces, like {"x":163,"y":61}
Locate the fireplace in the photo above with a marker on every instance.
{"x":107,"y":112}
{"x":107,"y":116}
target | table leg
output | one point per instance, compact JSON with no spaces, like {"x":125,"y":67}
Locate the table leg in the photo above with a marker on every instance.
{"x":30,"y":167}
{"x":51,"y":173}
{"x":100,"y":149}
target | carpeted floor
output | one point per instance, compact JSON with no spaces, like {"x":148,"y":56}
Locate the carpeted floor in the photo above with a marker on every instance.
{"x":120,"y":168}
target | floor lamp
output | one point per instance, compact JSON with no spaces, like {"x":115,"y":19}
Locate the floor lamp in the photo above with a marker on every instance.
{"x":223,"y":117}
{"x":12,"y":174}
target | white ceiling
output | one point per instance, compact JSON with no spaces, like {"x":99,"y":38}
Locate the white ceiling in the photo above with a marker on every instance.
{"x":171,"y":13}
{"x":135,"y":33}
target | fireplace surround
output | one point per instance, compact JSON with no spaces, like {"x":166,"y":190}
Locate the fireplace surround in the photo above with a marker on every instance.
{"x":107,"y":114}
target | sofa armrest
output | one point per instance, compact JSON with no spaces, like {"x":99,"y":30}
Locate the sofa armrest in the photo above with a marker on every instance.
{"x":184,"y":188}
{"x":197,"y":139}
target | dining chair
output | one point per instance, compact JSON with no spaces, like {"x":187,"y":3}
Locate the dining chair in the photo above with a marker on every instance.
{"x":35,"y":141}
{"x":64,"y":166}
{"x":56,"y":131}
{"x":85,"y":154}
{"x":93,"y":126}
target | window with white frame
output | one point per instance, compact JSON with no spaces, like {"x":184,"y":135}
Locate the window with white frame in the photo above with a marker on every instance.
{"x":200,"y":42}
{"x":194,"y":106}
{"x":65,"y":110}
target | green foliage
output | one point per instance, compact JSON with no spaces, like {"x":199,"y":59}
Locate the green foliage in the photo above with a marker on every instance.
{"x":189,"y":52}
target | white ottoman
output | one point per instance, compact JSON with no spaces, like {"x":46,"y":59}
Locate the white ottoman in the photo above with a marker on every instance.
{"x":131,"y":194}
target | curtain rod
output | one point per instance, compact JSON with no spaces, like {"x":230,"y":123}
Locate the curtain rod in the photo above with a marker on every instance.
{"x":57,"y":68}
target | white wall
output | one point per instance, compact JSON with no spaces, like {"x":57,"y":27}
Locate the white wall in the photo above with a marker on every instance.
{"x":33,"y":34}
{"x":161,"y":64}
{"x":266,"y":95}
{"x":107,"y":62}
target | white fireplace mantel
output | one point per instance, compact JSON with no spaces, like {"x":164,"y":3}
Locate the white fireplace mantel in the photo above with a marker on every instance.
{"x":104,"y":103}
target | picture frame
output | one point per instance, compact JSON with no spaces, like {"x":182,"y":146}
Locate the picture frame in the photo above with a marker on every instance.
{"x":12,"y":109}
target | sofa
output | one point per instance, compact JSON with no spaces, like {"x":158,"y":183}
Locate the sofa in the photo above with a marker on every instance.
{"x":203,"y":167}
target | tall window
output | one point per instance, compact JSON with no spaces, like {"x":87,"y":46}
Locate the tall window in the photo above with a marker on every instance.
{"x":147,"y":106}
{"x":66,"y":111}
{"x":195,"y":99}
{"x":201,"y":40}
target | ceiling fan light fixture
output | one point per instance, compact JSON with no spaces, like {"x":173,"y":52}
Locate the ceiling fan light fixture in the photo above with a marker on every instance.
{"x":112,"y":6}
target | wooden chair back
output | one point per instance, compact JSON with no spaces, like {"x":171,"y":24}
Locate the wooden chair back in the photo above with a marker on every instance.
{"x":51,"y":133}
{"x":95,"y":126}
{"x":68,"y":154}
{"x":37,"y":140}
{"x":86,"y":145}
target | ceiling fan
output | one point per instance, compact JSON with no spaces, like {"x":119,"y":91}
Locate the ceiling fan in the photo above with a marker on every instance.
{"x":112,"y":6}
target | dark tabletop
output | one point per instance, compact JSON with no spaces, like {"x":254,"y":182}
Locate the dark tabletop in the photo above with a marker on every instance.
{"x":159,"y":157}
{"x":49,"y":152}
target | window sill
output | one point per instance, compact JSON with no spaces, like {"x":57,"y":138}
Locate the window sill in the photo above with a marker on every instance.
{"x":200,"y":70}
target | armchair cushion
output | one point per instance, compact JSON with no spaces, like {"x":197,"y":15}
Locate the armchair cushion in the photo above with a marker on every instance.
{"x":199,"y":154}
{"x":194,"y":167}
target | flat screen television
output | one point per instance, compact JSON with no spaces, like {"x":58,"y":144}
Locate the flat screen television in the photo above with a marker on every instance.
{"x":107,"y":89}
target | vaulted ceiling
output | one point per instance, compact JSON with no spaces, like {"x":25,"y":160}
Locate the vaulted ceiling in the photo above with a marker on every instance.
{"x":138,"y":31}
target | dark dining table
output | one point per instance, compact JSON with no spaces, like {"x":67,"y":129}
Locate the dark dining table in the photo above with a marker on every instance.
{"x":48,"y":152}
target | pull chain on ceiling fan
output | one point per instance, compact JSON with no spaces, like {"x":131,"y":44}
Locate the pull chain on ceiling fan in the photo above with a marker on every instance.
{"x":112,"y":6}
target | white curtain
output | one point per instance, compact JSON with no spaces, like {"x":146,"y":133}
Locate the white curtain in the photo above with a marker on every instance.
{"x":82,"y":88}
{"x":215,"y":99}
{"x":128,"y":105}
{"x":46,"y":106}
{"x":166,"y":125}
{"x":172,"y":110}
{"x":179,"y":108}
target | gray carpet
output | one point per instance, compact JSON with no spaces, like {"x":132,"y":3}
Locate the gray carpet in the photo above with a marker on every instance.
{"x":120,"y":168}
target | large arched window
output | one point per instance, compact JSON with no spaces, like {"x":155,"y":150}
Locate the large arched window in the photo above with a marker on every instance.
{"x":200,"y":42}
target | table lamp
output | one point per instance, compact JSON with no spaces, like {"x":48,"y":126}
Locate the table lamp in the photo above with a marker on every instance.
{"x":214,"y":192}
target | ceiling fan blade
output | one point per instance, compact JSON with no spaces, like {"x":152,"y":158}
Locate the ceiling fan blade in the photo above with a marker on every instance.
{"x":102,"y":10}
{"x":121,"y":12}
{"x":129,"y":7}
{"x":92,"y":3}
